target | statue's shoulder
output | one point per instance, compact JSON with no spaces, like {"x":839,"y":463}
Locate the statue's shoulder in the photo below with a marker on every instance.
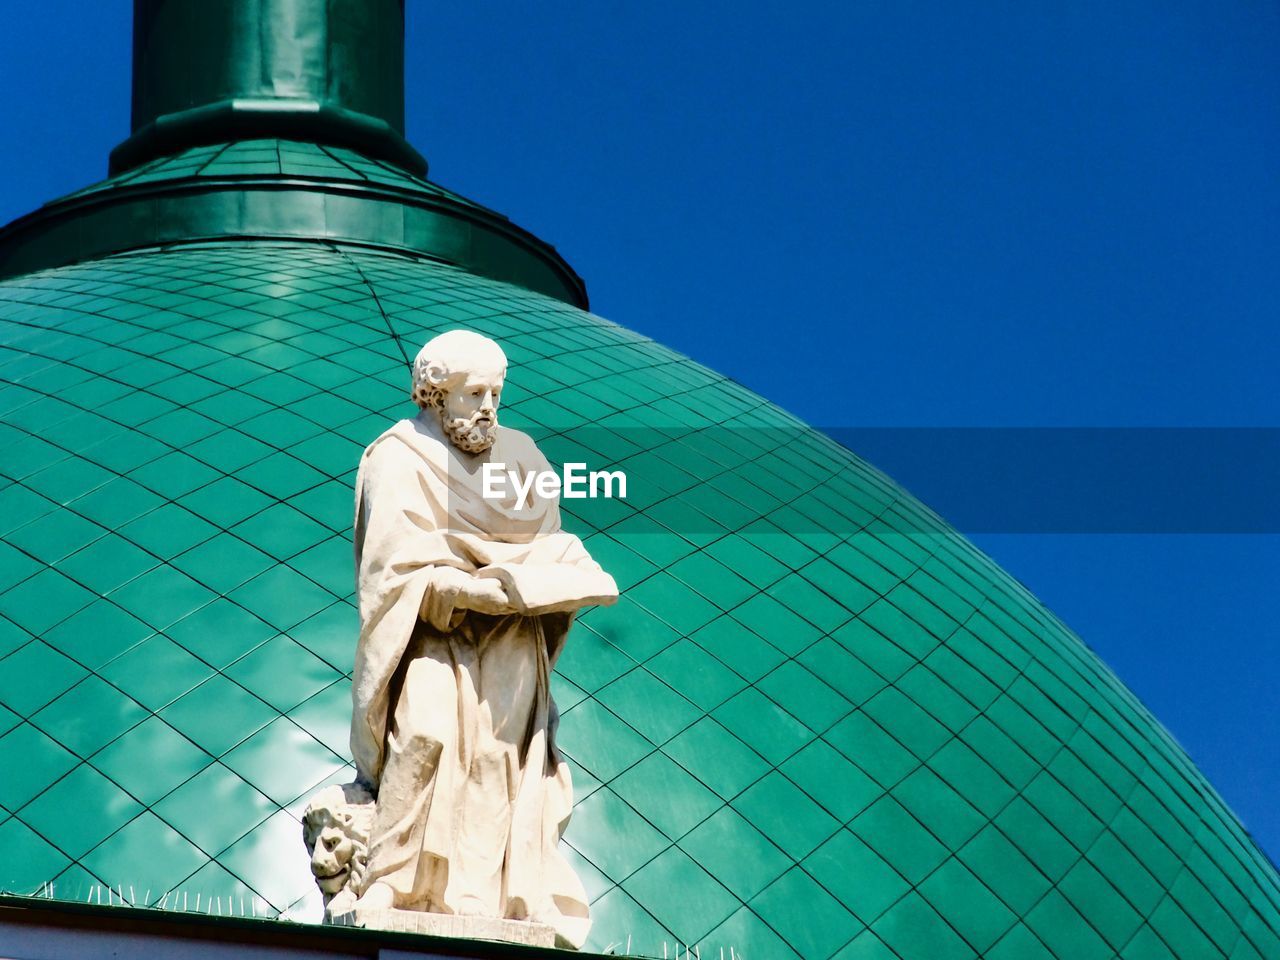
{"x":380,"y":444}
{"x":403,"y":441}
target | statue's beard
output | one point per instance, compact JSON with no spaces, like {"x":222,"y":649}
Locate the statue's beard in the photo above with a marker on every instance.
{"x":468,"y":435}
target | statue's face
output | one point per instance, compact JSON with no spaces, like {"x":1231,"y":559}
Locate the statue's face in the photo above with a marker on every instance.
{"x":469,"y":409}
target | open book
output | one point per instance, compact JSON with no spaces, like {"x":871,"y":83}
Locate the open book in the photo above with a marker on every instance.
{"x":537,"y":588}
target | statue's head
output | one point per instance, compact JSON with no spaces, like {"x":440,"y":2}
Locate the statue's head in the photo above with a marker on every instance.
{"x":460,"y":374}
{"x":335,"y":828}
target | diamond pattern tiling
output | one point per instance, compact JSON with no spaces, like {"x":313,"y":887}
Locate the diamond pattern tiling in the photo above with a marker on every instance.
{"x":221,"y":892}
{"x":600,"y":741}
{"x":8,"y":720}
{"x":717,"y":758}
{"x":971,"y":776}
{"x":283,"y":761}
{"x":1062,"y":929}
{"x":1105,"y":907}
{"x":41,"y":601}
{"x":217,"y":715}
{"x":282,"y":673}
{"x":223,"y":562}
{"x":700,"y":677}
{"x":940,"y":809}
{"x":906,"y":721}
{"x":55,"y":535}
{"x":861,"y":739}
{"x":620,"y":925}
{"x":681,"y":894}
{"x":147,"y":857}
{"x":784,"y":813}
{"x":818,"y":723}
{"x":75,"y":812}
{"x":162,"y":596}
{"x":889,"y":829}
{"x":323,"y":717}
{"x":156,"y":672}
{"x":220,"y":632}
{"x":89,"y":716}
{"x":262,"y":860}
{"x":1037,"y":838}
{"x":15,"y":566}
{"x":783,"y":628}
{"x":922,"y":685}
{"x":168,"y":530}
{"x":744,"y":927}
{"x":632,"y":629}
{"x":30,"y":861}
{"x":842,"y":671}
{"x":967,"y":905}
{"x":282,"y":597}
{"x":12,"y":637}
{"x":731,"y":643}
{"x":116,"y":502}
{"x":648,"y":705}
{"x":856,"y":875}
{"x":838,"y":786}
{"x":34,"y":675}
{"x":613,"y":836}
{"x":804,"y":696}
{"x":170,"y":759}
{"x":591,"y":661}
{"x":328,"y":635}
{"x":807,"y":917}
{"x":741,"y":857}
{"x":665,"y":795}
{"x":108,"y":563}
{"x":32,"y":762}
{"x":912,"y":928}
{"x":755,"y":719}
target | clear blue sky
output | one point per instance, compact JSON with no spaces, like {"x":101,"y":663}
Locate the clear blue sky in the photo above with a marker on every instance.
{"x":881,"y":213}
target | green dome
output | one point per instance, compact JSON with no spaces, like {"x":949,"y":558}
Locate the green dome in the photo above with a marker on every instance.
{"x":782,"y":741}
{"x":819,"y":723}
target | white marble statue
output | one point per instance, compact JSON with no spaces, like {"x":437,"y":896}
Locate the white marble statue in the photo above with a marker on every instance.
{"x":465,"y":603}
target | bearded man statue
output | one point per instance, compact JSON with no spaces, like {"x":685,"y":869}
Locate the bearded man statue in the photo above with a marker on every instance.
{"x":465,"y":604}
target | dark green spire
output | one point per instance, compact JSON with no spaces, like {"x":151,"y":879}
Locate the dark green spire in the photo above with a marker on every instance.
{"x":323,"y":71}
{"x":276,"y":119}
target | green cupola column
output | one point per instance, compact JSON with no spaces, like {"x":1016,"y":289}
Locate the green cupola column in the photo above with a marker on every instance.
{"x":214,"y":71}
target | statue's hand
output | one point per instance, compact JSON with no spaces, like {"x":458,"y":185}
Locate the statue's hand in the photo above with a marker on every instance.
{"x":448,"y":581}
{"x":484,"y":595}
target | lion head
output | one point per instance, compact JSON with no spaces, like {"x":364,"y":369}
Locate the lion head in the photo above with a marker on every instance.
{"x":335,"y":828}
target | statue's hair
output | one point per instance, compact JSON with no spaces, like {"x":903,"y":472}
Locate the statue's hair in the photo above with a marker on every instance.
{"x":355,"y":800}
{"x":445,"y":357}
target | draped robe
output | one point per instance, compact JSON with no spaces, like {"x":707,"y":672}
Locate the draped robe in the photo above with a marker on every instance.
{"x":453,"y":723}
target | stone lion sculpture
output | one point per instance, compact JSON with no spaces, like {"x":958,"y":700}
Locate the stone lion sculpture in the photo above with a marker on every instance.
{"x":335,"y":828}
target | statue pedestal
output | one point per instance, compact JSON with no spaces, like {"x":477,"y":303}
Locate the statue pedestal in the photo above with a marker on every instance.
{"x":450,"y":925}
